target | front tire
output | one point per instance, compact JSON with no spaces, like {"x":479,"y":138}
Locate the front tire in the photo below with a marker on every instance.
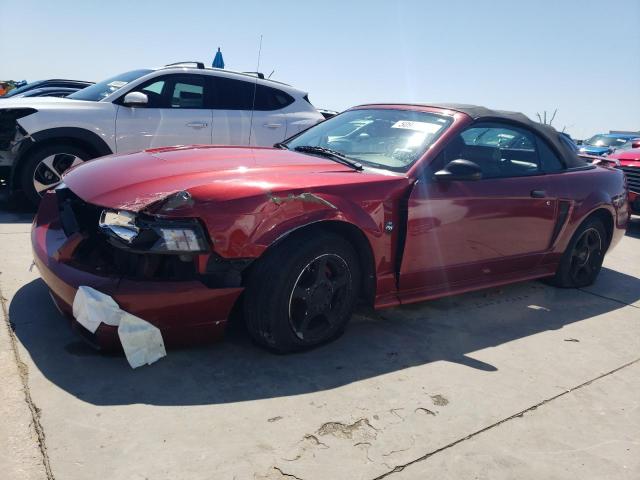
{"x":44,"y":168}
{"x":582,"y":260}
{"x":302,"y":293}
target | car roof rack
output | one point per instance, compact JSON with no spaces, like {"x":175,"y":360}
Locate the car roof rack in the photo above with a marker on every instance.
{"x":199,"y":65}
{"x":260,"y":75}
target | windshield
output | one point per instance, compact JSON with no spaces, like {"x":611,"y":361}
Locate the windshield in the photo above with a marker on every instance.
{"x":381,"y":138}
{"x":23,"y":88}
{"x":605,"y":141}
{"x":100,"y":90}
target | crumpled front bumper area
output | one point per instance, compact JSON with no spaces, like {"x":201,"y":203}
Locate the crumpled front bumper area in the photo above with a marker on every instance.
{"x":186,"y":311}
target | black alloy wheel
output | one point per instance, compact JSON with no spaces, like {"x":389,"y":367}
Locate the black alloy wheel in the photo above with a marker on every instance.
{"x":319,"y":298}
{"x":582,"y":260}
{"x":301,"y":293}
{"x":586,"y":257}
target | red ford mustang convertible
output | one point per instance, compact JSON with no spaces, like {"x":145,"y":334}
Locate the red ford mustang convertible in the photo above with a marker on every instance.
{"x":381,"y":205}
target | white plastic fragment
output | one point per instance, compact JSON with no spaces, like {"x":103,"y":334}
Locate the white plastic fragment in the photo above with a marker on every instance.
{"x":91,"y":307}
{"x":141,"y":341}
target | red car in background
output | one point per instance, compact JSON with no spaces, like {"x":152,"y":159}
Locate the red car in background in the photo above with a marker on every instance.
{"x":630,"y":165}
{"x":380,"y":205}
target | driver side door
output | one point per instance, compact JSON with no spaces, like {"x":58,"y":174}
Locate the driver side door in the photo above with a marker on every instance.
{"x":177,"y":114}
{"x":466,"y":233}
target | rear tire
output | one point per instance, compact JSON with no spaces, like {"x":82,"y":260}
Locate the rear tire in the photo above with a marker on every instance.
{"x":301,"y":294}
{"x":582,"y":260}
{"x":44,"y":168}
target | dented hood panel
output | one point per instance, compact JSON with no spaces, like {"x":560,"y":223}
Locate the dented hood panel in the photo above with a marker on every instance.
{"x":210,"y":173}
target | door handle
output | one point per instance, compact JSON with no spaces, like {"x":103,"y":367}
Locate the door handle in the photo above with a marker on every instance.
{"x":272,"y":125}
{"x":538,"y":194}
{"x":197,"y":124}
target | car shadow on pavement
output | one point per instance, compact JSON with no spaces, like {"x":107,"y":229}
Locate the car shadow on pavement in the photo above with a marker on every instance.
{"x":234,"y":370}
{"x":15,"y":209}
{"x":634,"y":227}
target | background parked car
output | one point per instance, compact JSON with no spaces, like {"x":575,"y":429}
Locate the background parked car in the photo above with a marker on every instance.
{"x":179,"y":104}
{"x":630,"y":163}
{"x":628,"y":145}
{"x":47,"y":92}
{"x":605,"y":143}
{"x":56,"y":82}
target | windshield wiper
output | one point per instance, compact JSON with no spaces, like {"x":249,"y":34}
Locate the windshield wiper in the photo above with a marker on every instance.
{"x":332,"y":154}
{"x":281,"y":145}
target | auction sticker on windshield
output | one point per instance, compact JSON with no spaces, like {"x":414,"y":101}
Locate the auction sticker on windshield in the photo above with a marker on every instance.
{"x":425,"y":127}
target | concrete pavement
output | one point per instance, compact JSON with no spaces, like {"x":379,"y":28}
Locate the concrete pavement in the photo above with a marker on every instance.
{"x":526,"y":381}
{"x":21,"y":437}
{"x":556,"y":440}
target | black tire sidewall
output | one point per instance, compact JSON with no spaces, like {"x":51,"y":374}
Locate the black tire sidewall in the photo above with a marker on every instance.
{"x":33,"y":160}
{"x":563,"y":275}
{"x":270,"y":285}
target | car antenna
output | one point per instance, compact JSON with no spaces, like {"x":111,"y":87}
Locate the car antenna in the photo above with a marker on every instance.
{"x":255,"y":88}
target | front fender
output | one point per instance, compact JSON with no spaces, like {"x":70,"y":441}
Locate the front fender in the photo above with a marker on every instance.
{"x":25,"y":147}
{"x":87,"y":137}
{"x":277,"y":215}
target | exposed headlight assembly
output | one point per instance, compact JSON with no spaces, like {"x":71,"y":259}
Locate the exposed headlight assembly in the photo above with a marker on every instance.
{"x":141,"y":233}
{"x":122,"y":224}
{"x":179,"y":240}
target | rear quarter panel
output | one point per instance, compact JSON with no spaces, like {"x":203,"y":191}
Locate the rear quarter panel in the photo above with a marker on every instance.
{"x":299,"y":116}
{"x":588,"y":190}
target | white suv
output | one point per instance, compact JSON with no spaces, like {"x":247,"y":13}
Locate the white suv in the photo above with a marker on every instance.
{"x":174,"y":105}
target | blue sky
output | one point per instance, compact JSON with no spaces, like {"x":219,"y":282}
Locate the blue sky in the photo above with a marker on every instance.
{"x":582,"y":57}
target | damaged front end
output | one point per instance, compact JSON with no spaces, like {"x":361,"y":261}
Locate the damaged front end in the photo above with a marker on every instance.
{"x":142,"y":246}
{"x":162,"y":270}
{"x":12,"y":135}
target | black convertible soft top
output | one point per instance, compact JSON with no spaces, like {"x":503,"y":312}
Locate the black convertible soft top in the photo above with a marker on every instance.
{"x":547,"y":132}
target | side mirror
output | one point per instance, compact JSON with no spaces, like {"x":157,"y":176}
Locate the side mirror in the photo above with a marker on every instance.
{"x":459,"y":170}
{"x":579,"y":142}
{"x":635,"y":143}
{"x":135,"y":99}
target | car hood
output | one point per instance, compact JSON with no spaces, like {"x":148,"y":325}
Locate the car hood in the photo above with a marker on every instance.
{"x":209,"y":173}
{"x":629,"y":157}
{"x":34,"y":102}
